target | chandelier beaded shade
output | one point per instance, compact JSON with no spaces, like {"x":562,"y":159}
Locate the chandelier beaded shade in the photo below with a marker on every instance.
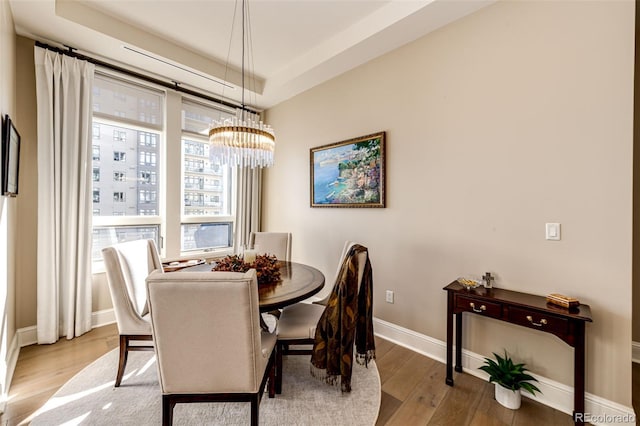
{"x":242,"y":142}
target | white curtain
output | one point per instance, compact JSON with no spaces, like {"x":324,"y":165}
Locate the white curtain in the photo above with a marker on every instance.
{"x":63,"y":89}
{"x":249,"y":193}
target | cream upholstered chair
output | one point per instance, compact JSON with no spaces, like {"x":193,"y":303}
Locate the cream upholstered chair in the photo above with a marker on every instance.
{"x":276,"y":243}
{"x":208,"y":340}
{"x":297,"y":323}
{"x":128,"y":265}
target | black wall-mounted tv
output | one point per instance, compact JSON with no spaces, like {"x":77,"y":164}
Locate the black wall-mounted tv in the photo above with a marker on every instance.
{"x":10,"y":157}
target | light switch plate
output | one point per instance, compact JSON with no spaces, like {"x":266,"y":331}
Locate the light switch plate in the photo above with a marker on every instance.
{"x":552,"y":231}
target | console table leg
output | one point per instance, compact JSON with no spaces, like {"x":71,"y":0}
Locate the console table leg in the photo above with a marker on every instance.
{"x":459,"y":342}
{"x":449,"y":379}
{"x":578,"y":375}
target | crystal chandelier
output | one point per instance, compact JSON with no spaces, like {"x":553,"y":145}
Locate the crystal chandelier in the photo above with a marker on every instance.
{"x":242,"y":142}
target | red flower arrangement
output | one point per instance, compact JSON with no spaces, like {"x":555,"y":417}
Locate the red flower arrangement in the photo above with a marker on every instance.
{"x":266,"y":266}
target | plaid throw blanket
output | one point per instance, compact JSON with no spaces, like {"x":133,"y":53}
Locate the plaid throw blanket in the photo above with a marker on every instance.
{"x":347,"y":317}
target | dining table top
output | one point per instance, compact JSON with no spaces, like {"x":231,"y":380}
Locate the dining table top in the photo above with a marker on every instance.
{"x":297,"y":282}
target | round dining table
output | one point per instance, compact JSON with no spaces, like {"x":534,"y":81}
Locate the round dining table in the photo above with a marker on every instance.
{"x":297,"y":282}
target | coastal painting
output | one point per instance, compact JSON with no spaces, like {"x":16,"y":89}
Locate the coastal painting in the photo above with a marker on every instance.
{"x":349,"y":173}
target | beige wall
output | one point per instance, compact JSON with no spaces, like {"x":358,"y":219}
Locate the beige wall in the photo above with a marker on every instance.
{"x":515,"y":116}
{"x":26,"y":247}
{"x":8,"y":206}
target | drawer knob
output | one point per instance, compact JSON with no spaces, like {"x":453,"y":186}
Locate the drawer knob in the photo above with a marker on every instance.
{"x":473,"y":306}
{"x":537,"y":324}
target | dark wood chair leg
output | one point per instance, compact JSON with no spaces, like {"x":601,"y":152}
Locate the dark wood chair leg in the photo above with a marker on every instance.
{"x":124,"y":352}
{"x":255,"y":406}
{"x":272,"y":380}
{"x":278,"y":368}
{"x":167,"y":410}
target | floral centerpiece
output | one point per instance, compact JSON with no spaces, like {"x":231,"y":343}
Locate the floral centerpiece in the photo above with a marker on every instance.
{"x":266,"y":266}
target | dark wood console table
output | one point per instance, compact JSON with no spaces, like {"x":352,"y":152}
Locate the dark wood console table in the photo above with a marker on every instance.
{"x":523,"y":309}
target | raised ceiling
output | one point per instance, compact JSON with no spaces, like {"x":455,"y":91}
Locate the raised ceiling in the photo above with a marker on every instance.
{"x":295,"y":44}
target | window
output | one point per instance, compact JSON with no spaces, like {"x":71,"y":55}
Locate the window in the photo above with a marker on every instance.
{"x":147,"y":196}
{"x":121,"y":97}
{"x":130,"y":119}
{"x":147,"y":177}
{"x":96,"y":131}
{"x":207,"y":235}
{"x":147,"y":158}
{"x":121,"y":217}
{"x":104,"y":236}
{"x":148,"y":139}
{"x":207,"y":187}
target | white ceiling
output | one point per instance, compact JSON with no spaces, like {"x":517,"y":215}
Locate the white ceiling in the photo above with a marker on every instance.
{"x":295,"y":44}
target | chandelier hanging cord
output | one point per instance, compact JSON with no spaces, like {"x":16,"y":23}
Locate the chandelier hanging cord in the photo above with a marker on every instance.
{"x":242,"y":142}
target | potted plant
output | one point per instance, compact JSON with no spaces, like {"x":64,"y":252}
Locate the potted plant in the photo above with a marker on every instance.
{"x":509,"y":378}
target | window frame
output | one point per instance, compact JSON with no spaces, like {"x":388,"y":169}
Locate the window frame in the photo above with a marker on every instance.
{"x":170,"y":174}
{"x":204,"y":219}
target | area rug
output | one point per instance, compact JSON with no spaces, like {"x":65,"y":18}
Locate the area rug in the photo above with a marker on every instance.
{"x":90,"y":398}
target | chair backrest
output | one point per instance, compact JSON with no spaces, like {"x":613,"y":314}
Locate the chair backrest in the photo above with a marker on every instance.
{"x":206,"y":329}
{"x":277,"y":243}
{"x":128,"y":265}
{"x":361,"y":262}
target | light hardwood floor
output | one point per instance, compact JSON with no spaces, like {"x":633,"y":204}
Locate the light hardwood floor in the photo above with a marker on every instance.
{"x":413,"y":388}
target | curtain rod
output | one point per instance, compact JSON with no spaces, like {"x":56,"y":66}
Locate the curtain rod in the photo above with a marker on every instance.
{"x":173,"y":85}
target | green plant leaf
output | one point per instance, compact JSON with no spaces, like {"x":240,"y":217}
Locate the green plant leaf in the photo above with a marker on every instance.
{"x":507,"y":374}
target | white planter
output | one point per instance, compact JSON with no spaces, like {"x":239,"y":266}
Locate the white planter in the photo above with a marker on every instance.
{"x":508,"y":398}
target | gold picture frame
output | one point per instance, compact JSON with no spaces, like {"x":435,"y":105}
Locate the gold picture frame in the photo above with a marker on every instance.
{"x":350,"y":173}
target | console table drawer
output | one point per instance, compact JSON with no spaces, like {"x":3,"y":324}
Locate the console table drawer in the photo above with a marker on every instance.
{"x":538,"y":320}
{"x":470,"y":304}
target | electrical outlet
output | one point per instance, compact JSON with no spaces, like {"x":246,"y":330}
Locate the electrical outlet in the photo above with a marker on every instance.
{"x":389,"y":296}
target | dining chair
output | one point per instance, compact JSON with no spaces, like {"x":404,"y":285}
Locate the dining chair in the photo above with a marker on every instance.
{"x":208,"y":341}
{"x":127,"y":265}
{"x":298,"y":322}
{"x":276,"y":243}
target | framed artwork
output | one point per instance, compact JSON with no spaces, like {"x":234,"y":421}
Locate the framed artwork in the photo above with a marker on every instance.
{"x":10,"y":158}
{"x":350,"y":173}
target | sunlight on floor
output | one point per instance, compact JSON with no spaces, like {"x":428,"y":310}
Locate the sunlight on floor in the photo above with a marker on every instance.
{"x":78,"y":420}
{"x":59,"y":401}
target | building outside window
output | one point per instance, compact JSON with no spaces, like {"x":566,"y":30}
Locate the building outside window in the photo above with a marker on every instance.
{"x":206,"y":210}
{"x":119,"y":135}
{"x":129,"y":116}
{"x":115,"y":113}
{"x":148,"y":177}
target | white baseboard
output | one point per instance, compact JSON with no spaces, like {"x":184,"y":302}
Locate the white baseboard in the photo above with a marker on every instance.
{"x":28,"y":335}
{"x":635,"y":351}
{"x":12,"y":359}
{"x":554,"y":394}
{"x":104,"y":317}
